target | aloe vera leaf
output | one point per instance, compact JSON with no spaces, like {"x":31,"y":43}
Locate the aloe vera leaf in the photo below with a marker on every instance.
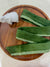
{"x":34,"y":19}
{"x":40,"y":31}
{"x":25,"y":49}
{"x":29,"y":37}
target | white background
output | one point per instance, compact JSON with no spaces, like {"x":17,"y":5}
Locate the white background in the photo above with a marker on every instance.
{"x":5,"y":60}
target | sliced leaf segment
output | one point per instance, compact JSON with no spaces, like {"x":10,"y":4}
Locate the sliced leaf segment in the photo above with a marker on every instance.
{"x":29,"y":37}
{"x":39,"y":31}
{"x":34,"y":48}
{"x":34,"y":19}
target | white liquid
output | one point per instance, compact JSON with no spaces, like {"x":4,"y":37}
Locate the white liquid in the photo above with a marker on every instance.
{"x":9,"y":18}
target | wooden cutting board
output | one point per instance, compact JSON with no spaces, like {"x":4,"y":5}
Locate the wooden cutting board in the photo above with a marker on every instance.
{"x":8,"y":32}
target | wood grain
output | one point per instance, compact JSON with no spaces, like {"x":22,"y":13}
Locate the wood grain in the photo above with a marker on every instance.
{"x":8,"y":32}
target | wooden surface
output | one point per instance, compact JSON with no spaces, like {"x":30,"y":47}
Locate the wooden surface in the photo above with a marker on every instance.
{"x":8,"y":32}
